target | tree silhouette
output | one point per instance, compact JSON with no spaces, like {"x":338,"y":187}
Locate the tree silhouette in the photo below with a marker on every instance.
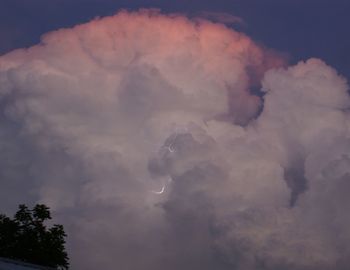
{"x":26,"y":238}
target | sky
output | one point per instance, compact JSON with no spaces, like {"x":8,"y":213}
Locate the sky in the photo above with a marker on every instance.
{"x":301,"y":29}
{"x":181,"y":134}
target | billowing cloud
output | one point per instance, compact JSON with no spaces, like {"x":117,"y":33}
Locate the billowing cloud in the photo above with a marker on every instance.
{"x":96,"y":118}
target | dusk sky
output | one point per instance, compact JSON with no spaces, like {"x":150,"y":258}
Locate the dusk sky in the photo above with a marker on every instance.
{"x":210,"y":135}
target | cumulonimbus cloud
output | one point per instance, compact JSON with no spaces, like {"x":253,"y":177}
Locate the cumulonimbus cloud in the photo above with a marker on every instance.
{"x":97,"y":117}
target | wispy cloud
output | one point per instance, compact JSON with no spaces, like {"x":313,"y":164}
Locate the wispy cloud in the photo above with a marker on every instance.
{"x":221,"y":17}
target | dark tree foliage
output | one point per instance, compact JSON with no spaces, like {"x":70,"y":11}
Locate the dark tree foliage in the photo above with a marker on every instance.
{"x":26,"y":238}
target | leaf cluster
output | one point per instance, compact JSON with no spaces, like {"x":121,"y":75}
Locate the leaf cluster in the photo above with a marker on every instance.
{"x":26,"y":238}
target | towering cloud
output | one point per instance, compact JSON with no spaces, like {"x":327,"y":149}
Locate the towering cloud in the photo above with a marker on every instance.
{"x":140,"y":131}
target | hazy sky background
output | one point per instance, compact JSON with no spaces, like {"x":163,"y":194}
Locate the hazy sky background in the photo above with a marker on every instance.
{"x":142,"y":131}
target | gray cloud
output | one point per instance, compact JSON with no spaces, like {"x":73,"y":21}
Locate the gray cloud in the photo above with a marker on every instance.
{"x":96,"y":117}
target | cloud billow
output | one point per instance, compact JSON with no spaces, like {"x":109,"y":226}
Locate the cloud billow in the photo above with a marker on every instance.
{"x":140,"y":131}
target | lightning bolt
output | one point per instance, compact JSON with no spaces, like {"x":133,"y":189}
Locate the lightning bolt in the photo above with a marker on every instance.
{"x":159,"y":192}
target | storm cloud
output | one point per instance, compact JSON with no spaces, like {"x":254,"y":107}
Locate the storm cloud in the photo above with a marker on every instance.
{"x":141,"y":132}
